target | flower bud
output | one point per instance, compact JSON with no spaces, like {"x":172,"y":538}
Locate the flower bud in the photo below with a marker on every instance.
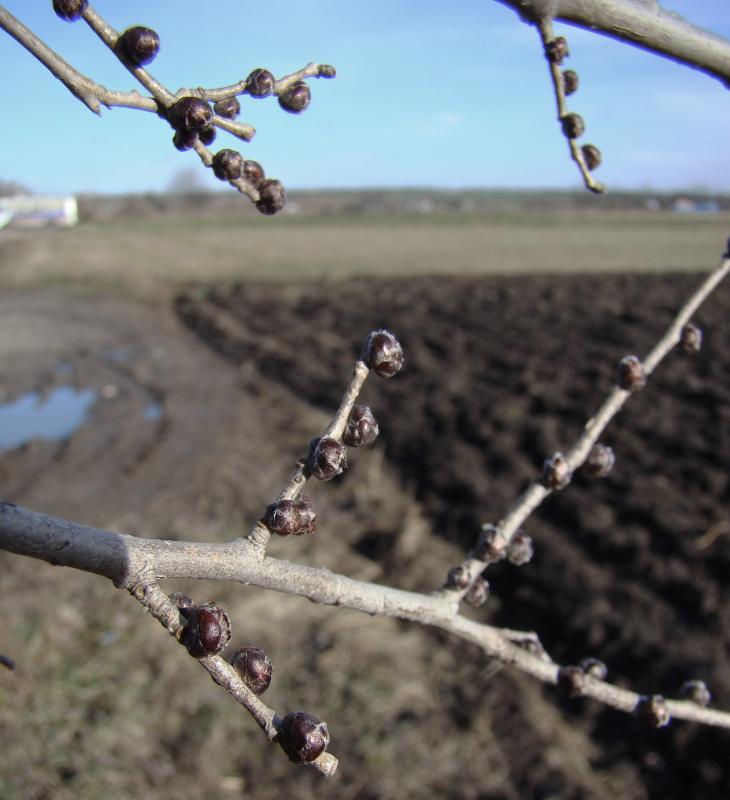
{"x":303,"y":737}
{"x":139,"y":45}
{"x":283,"y":518}
{"x":184,"y":140}
{"x":653,"y":710}
{"x":361,"y":429}
{"x":208,"y":630}
{"x":556,"y":474}
{"x":272,"y":197}
{"x":571,"y":681}
{"x":327,"y":458}
{"x":557,"y":50}
{"x":592,"y":156}
{"x":229,"y":108}
{"x":600,"y":461}
{"x":478,"y":592}
{"x":631,"y":374}
{"x":594,"y":667}
{"x":690,"y":339}
{"x":573,"y":126}
{"x":184,"y":603}
{"x":520,"y":549}
{"x":207,"y":135}
{"x":327,"y":71}
{"x":570,"y":81}
{"x":253,"y":172}
{"x":696,"y":692}
{"x":489,"y":547}
{"x":382,"y":353}
{"x":296,"y":98}
{"x":69,"y":10}
{"x":458,"y":578}
{"x":190,"y":114}
{"x":227,"y":165}
{"x":260,"y":83}
{"x":307,"y":515}
{"x":253,"y":667}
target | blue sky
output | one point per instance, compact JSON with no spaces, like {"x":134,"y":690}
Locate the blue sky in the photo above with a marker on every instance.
{"x":427,"y":94}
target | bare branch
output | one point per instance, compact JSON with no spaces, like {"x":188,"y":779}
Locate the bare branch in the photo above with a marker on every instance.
{"x":644,"y":24}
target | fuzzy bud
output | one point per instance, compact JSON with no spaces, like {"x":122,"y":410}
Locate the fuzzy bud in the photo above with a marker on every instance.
{"x":478,"y":592}
{"x":690,"y":339}
{"x":190,"y":114}
{"x":296,"y":98}
{"x":327,"y":458}
{"x":573,"y":126}
{"x":557,"y":50}
{"x":227,"y":165}
{"x":283,"y":518}
{"x":653,"y":710}
{"x":208,"y":630}
{"x":253,"y":172}
{"x":303,"y":737}
{"x":361,"y":429}
{"x":382,"y":353}
{"x":139,"y":45}
{"x":229,"y":108}
{"x":631,"y":374}
{"x":571,"y":681}
{"x":69,"y":10}
{"x":556,"y":473}
{"x":458,"y":578}
{"x":489,"y":547}
{"x":520,"y":549}
{"x":307,"y":515}
{"x":696,"y":692}
{"x":600,"y":461}
{"x":592,"y":156}
{"x":254,"y":668}
{"x":272,"y":197}
{"x":260,"y":83}
{"x":594,"y":667}
{"x":570,"y":81}
{"x":184,"y":603}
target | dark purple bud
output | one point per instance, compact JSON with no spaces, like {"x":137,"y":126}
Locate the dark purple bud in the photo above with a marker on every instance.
{"x":478,"y":592}
{"x":184,"y":140}
{"x":327,"y":71}
{"x":307,"y":515}
{"x":207,"y":135}
{"x":190,"y":114}
{"x":183,"y":602}
{"x":303,"y":737}
{"x":573,"y":126}
{"x":557,"y":50}
{"x":571,"y":681}
{"x":695,"y":691}
{"x":327,"y":458}
{"x":361,"y":428}
{"x":382,"y":353}
{"x":272,"y":197}
{"x":69,"y":10}
{"x":570,"y":81}
{"x":282,"y":518}
{"x":458,"y":578}
{"x":253,"y":667}
{"x":592,"y":156}
{"x":208,"y":630}
{"x":556,"y":474}
{"x":600,"y":461}
{"x":631,"y":374}
{"x":654,"y":711}
{"x":229,"y":108}
{"x":139,"y":45}
{"x":296,"y":98}
{"x":520,"y":550}
{"x":253,"y":172}
{"x":690,"y":339}
{"x":260,"y":83}
{"x":594,"y":667}
{"x":227,"y":165}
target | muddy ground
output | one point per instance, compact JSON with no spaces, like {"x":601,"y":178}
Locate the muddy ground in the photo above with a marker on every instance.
{"x":500,"y":373}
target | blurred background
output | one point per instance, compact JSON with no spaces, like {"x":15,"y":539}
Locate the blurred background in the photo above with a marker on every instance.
{"x":168,"y":354}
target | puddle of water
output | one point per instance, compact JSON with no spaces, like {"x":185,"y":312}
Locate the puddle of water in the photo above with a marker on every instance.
{"x":54,"y":417}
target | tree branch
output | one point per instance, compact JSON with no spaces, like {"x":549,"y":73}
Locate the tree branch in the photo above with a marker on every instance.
{"x":644,"y":24}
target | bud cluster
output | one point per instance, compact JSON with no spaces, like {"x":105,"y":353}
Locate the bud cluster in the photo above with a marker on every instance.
{"x":208,"y":628}
{"x":303,"y":737}
{"x":254,"y":668}
{"x":631,"y":374}
{"x":572,"y":679}
{"x":556,"y":473}
{"x":654,"y":711}
{"x":600,"y":461}
{"x":291,"y":517}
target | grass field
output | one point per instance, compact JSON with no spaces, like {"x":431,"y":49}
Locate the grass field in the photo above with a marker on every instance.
{"x":139,"y":254}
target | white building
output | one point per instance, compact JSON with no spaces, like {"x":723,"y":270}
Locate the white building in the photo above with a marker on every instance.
{"x":39,"y":211}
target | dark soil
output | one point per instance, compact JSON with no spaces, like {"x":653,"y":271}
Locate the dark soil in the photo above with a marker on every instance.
{"x":501,"y":373}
